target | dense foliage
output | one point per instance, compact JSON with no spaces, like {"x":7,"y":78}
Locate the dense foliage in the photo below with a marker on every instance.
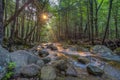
{"x":68,"y":20}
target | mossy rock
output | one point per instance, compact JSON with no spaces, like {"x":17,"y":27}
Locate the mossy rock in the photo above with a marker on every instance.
{"x":117,"y":51}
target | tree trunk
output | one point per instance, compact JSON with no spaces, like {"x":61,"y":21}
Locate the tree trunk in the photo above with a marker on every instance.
{"x":18,"y":12}
{"x":14,"y":22}
{"x":91,"y":21}
{"x":1,"y":21}
{"x":108,"y":20}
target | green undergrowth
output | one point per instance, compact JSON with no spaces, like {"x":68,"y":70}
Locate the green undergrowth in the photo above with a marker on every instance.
{"x":10,"y":72}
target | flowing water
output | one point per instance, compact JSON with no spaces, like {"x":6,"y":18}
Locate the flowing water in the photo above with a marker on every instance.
{"x":109,"y":70}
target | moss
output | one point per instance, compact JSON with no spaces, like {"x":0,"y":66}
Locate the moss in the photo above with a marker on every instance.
{"x":117,"y":51}
{"x":10,"y":71}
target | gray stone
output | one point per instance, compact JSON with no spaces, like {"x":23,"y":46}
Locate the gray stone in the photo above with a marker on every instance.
{"x":46,"y":60}
{"x":23,"y":58}
{"x":83,"y":60}
{"x":71,"y":71}
{"x":43,"y":53}
{"x":60,"y":65}
{"x":40,"y":63}
{"x":101,"y":50}
{"x":105,"y":53}
{"x":94,"y":70}
{"x":30,"y":70}
{"x":115,"y":58}
{"x":4,"y":61}
{"x":48,"y":73}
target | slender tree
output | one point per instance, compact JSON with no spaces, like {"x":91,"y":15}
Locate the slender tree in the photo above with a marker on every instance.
{"x":108,"y":20}
{"x":1,"y":20}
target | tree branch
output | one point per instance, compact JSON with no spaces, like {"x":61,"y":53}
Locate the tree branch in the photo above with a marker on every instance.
{"x":17,"y":13}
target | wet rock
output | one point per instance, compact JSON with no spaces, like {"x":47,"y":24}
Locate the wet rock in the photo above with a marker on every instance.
{"x":22,"y":58}
{"x":4,"y":61}
{"x":30,"y":70}
{"x":101,"y":50}
{"x":46,"y":60}
{"x":48,"y":73}
{"x":40,"y":63}
{"x":71,"y":71}
{"x":83,"y":60}
{"x":117,"y":51}
{"x":60,"y":65}
{"x":111,"y":71}
{"x":43,"y":53}
{"x":94,"y":70}
{"x":52,"y":47}
{"x":105,"y":53}
{"x":112,"y":58}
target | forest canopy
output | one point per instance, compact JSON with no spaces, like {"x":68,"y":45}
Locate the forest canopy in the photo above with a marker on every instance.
{"x":61,"y":20}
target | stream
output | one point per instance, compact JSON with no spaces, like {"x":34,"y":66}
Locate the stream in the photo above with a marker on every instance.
{"x":108,"y":69}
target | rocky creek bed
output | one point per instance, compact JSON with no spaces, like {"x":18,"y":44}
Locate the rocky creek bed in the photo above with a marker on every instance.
{"x":51,"y":61}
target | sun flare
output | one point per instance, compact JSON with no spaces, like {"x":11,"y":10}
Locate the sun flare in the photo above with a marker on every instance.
{"x":44,"y":16}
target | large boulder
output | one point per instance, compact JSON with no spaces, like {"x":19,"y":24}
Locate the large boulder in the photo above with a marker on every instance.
{"x":48,"y":73}
{"x":4,"y":61}
{"x":31,"y":70}
{"x":101,"y":50}
{"x":94,"y":70}
{"x":105,"y":53}
{"x":23,"y":58}
{"x":60,"y":65}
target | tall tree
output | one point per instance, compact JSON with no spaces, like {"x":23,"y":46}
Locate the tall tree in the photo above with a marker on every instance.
{"x":108,"y":20}
{"x":97,"y":8}
{"x":1,"y":20}
{"x":91,"y":21}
